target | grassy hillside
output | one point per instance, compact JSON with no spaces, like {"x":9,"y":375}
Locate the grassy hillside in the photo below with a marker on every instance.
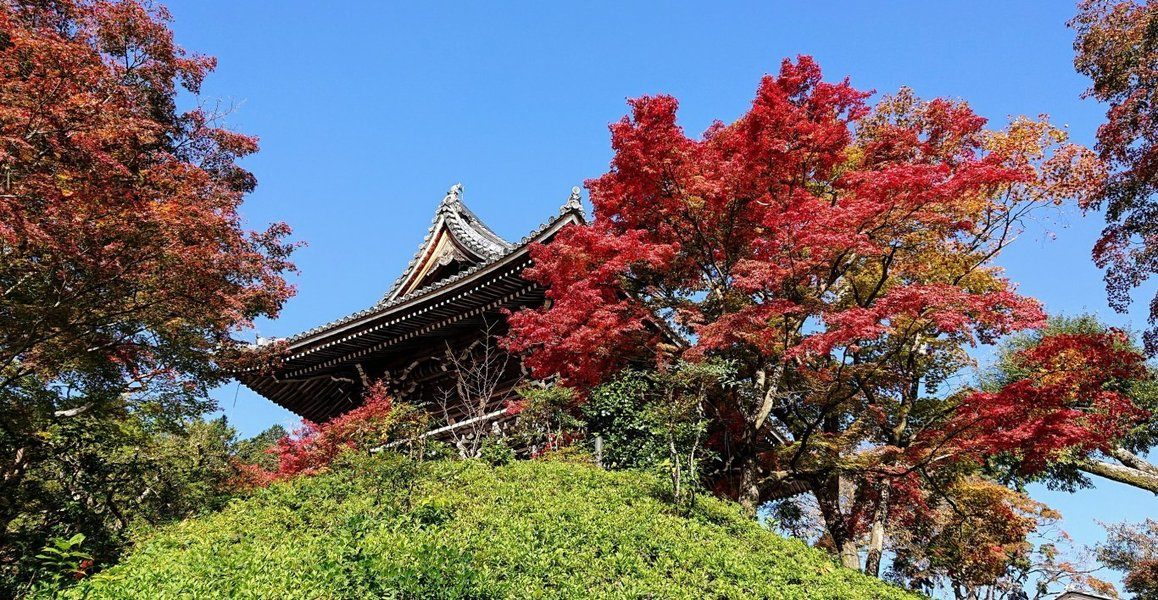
{"x":385,"y":527}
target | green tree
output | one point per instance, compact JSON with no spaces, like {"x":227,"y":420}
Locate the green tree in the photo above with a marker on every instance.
{"x":659,"y":419}
{"x":109,"y":478}
{"x":617,"y":413}
{"x":260,"y":450}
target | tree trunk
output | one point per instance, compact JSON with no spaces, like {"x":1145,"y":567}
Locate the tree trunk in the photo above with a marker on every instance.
{"x":828,"y":494}
{"x":749,"y":493}
{"x":872,"y":563}
{"x":764,"y":387}
{"x":849,"y":557}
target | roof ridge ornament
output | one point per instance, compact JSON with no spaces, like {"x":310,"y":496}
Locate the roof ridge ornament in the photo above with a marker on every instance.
{"x":574,"y":202}
{"x":453,"y":197}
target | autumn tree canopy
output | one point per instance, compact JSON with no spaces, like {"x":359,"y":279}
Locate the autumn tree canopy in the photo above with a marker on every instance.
{"x":1099,"y":367}
{"x":121,"y":247}
{"x":125,"y":267}
{"x":842,"y":256}
{"x":1117,"y":48}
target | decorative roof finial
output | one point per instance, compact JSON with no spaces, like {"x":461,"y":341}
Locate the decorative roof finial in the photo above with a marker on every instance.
{"x":453,"y":195}
{"x":575,"y":202}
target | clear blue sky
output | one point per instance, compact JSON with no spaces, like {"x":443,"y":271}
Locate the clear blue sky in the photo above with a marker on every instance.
{"x":368,"y":112}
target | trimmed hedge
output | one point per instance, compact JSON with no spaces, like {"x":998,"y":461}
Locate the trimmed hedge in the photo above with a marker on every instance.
{"x":385,"y":527}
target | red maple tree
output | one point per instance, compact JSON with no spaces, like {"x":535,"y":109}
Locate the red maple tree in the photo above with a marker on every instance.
{"x":1060,"y":404}
{"x":120,"y":236}
{"x":125,"y":266}
{"x":840,"y":254}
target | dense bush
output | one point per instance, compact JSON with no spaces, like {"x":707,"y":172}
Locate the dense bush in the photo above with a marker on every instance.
{"x":385,"y":526}
{"x":616,"y":412}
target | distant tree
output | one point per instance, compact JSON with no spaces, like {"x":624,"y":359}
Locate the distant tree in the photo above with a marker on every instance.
{"x":1117,"y":48}
{"x":975,"y":542}
{"x":1133,"y":549}
{"x":841,"y":257}
{"x":259,"y":450}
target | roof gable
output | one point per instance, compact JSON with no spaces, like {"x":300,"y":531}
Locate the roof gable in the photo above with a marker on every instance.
{"x":456,"y":241}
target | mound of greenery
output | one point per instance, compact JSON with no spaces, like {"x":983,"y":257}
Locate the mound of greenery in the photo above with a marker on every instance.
{"x":388,"y":527}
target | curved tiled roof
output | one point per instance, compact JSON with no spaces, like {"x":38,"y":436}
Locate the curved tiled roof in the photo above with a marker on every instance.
{"x":317,"y":377}
{"x":465,"y":220}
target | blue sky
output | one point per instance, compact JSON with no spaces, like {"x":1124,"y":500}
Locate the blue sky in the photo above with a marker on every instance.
{"x":368,"y":112}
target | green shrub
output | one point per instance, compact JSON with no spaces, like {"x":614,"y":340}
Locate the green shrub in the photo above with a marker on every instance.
{"x":383,"y":526}
{"x":496,"y":451}
{"x":617,"y":412}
